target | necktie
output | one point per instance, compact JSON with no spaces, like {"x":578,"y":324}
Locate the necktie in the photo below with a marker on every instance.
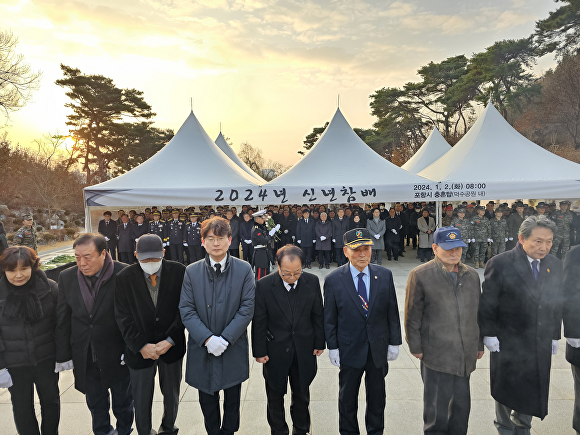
{"x":535,"y":269}
{"x":291,"y":287}
{"x":93,"y":280}
{"x":218,"y":268}
{"x":362,"y":293}
{"x":153,"y":278}
{"x":125,"y":226}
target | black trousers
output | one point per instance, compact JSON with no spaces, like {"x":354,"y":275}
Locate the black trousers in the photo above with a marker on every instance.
{"x":112,"y":250}
{"x":24,"y":380}
{"x":340,"y":257}
{"x":324,"y":257}
{"x":349,"y":379}
{"x":235,"y":252}
{"x":248,"y":251}
{"x":176,"y":252}
{"x":307,"y":255}
{"x":98,"y":401}
{"x":126,"y":257}
{"x":402,"y":237}
{"x":195,"y":253}
{"x":446,"y":403}
{"x":210,"y":407}
{"x":143,"y":386}
{"x":412,"y":235}
{"x":393,"y":249}
{"x":298,"y":406}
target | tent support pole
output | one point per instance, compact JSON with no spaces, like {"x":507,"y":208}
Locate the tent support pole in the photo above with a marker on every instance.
{"x":438,"y":219}
{"x":88,"y":227}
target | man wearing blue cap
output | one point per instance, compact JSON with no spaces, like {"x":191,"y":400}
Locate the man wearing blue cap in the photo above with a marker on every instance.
{"x":441,"y":304}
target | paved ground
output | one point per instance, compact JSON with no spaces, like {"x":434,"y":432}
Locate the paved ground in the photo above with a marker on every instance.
{"x":404,"y":394}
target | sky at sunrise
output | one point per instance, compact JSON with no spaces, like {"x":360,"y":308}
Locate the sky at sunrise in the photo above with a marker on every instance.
{"x":268,"y":70}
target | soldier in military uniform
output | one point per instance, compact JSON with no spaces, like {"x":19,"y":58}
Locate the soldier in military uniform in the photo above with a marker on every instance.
{"x":175,"y":229}
{"x":563,"y":220}
{"x":260,"y":241}
{"x":192,"y":239}
{"x":514,"y":221}
{"x":541,"y":209}
{"x":464,"y":226}
{"x":26,"y":235}
{"x":165,"y":215}
{"x":499,"y":232}
{"x":480,"y":235}
{"x":446,"y":221}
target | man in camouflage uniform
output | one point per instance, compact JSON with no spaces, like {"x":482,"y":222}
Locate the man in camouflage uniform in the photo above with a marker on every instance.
{"x":446,"y":221}
{"x":499,"y":232}
{"x":464,"y":226}
{"x":480,"y":235}
{"x":26,"y":236}
{"x":563,"y":220}
{"x":541,"y":209}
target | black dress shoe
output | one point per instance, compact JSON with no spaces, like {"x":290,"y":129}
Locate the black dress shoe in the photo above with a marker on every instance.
{"x":396,"y":259}
{"x":400,"y":255}
{"x":389,"y":259}
{"x":328,"y":266}
{"x":320,"y":266}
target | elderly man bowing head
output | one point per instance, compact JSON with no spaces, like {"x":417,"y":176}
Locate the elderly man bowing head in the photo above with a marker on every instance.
{"x":441,"y":328}
{"x":363,"y":332}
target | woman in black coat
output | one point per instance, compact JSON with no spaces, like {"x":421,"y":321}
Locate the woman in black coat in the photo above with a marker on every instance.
{"x":27,"y":348}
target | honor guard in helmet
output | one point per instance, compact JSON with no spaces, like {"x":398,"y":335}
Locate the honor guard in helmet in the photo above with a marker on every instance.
{"x":260,"y":241}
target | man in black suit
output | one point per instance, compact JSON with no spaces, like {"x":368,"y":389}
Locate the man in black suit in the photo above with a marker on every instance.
{"x":572,"y":323}
{"x":287,"y":336}
{"x":520,"y":317}
{"x":139,"y":227}
{"x":305,"y":236}
{"x":88,"y":338}
{"x":404,"y":227}
{"x":363,"y":331}
{"x":108,"y":229}
{"x":125,"y":241}
{"x":147,"y":312}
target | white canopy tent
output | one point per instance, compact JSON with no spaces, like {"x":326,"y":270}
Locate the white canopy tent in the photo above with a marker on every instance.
{"x":341,"y":168}
{"x":493,"y":160}
{"x":433,"y":148}
{"x":228,"y":150}
{"x":190,"y":169}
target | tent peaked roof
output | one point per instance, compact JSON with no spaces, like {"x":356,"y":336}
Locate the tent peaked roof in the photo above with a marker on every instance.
{"x":188,"y":170}
{"x":341,"y":159}
{"x":493,"y":154}
{"x":228,"y":150}
{"x":433,"y":148}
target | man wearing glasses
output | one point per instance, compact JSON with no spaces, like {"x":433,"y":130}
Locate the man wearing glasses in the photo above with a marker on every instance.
{"x":287,"y":336}
{"x":217,"y":305}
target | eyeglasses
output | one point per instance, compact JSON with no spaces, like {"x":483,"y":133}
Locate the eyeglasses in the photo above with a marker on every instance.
{"x":292,"y":275}
{"x":212,"y":240}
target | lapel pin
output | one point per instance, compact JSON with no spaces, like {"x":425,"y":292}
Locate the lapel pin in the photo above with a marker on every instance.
{"x":376,"y":277}
{"x":548,"y":270}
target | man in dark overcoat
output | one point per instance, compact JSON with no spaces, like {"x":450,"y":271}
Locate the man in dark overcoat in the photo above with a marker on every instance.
{"x":88,"y":338}
{"x":520,"y":317}
{"x":125,"y":241}
{"x":108,"y":228}
{"x":305,"y":236}
{"x":287,"y":336}
{"x":147,"y":312}
{"x":572,"y":324}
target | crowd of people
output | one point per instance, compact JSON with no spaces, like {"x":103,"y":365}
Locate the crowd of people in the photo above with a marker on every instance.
{"x":119,"y":324}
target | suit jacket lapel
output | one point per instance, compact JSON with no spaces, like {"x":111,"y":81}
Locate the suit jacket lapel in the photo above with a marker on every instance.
{"x":143,"y":290}
{"x":80,"y":296}
{"x":302,"y":288}
{"x":279,"y":293}
{"x":374,"y":288}
{"x":351,"y":289}
{"x":522,"y":266}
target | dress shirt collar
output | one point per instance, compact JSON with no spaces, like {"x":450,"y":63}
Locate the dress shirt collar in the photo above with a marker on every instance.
{"x":354,"y":271}
{"x":530,"y":259}
{"x":222,"y":263}
{"x":287,"y":286}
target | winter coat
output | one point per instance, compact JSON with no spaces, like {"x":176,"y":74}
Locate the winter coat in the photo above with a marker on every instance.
{"x":425,"y":240}
{"x":323,"y":229}
{"x":377,"y":228}
{"x":26,"y":343}
{"x":572,"y":302}
{"x":305,"y":232}
{"x":392,"y":223}
{"x":235,"y":226}
{"x":339,"y":227}
{"x":222,"y":306}
{"x":525,"y":315}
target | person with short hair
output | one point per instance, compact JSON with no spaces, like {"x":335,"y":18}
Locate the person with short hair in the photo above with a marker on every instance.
{"x":499,"y":232}
{"x":27,"y":348}
{"x":108,"y":229}
{"x":306,"y":236}
{"x":363,"y":331}
{"x":377,"y":228}
{"x":323,"y":232}
{"x":514,"y":221}
{"x":192,"y":239}
{"x":441,"y":303}
{"x":217,"y":305}
{"x":426,"y":225}
{"x":520,"y":318}
{"x":392,"y":237}
{"x":125,"y":241}
{"x":26,"y":235}
{"x":287,"y":337}
{"x":147,"y":312}
{"x":88,"y":338}
{"x":340,"y":225}
{"x":235,"y":226}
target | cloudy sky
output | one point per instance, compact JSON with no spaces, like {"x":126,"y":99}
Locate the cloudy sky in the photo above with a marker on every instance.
{"x":268,"y":70}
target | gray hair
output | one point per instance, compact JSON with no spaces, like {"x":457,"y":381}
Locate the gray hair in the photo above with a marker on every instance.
{"x":536,"y":221}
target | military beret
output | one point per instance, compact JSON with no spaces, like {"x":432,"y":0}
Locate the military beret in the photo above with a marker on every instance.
{"x":449,"y":207}
{"x":470,"y":205}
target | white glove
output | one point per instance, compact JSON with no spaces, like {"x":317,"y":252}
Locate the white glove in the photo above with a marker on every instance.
{"x":394,"y":231}
{"x":323,"y":238}
{"x":333,"y":240}
{"x":334,"y":356}
{"x":506,"y":239}
{"x":248,"y":242}
{"x":511,"y":238}
{"x":185,"y":244}
{"x":472,"y":240}
{"x":59,"y":367}
{"x":285,"y":231}
{"x":216,"y":345}
{"x":300,"y":241}
{"x":377,"y":236}
{"x":554,"y":347}
{"x":136,"y":240}
{"x":314,"y":241}
{"x":5,"y":379}
{"x":164,"y":244}
{"x":574,"y":342}
{"x":272,"y":232}
{"x":492,"y":343}
{"x":490,"y":240}
{"x":277,"y":227}
{"x":293,"y":237}
{"x":392,"y":353}
{"x":107,"y":239}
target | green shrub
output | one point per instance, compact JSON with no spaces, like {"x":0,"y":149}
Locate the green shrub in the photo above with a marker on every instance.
{"x":48,"y":237}
{"x":66,"y":225}
{"x":78,"y":223}
{"x":70,"y":232}
{"x":38,"y":228}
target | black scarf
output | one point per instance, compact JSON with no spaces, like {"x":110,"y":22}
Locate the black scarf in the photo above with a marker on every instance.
{"x":22,"y":301}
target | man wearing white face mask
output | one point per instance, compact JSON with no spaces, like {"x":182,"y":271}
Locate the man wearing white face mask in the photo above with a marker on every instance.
{"x":147,"y":312}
